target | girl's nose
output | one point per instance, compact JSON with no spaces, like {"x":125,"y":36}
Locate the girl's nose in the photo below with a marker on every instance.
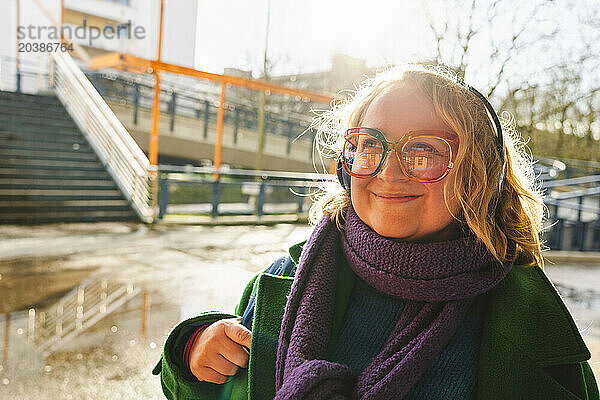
{"x":391,"y":170}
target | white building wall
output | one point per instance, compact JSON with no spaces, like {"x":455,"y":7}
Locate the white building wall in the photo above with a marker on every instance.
{"x":30,"y":14}
{"x":179,"y":30}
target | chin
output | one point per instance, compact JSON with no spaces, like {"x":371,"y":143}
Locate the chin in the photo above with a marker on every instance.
{"x":394,"y":234}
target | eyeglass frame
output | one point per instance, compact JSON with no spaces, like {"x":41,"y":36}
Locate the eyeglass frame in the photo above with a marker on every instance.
{"x":389,"y":146}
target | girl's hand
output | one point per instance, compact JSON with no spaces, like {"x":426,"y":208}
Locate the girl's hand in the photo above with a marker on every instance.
{"x":219,"y":350}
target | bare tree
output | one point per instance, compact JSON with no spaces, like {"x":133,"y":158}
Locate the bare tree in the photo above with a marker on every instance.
{"x":537,"y":59}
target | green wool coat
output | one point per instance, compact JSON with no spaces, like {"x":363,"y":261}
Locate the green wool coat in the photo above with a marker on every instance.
{"x":530,"y":346}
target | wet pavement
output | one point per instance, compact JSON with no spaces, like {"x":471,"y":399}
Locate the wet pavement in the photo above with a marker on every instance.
{"x":183,"y":270}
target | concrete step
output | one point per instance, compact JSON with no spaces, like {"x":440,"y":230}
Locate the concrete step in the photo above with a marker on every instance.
{"x":6,"y":103}
{"x":68,"y":185}
{"x":57,"y":164}
{"x":46,"y":147}
{"x":51,"y":154}
{"x":48,"y":171}
{"x":41,"y":137}
{"x":50,"y":181}
{"x":10,"y":121}
{"x":83,"y":193}
{"x":46,"y":207}
{"x":33,"y":110}
{"x":25,"y":196}
{"x":4,"y":204}
{"x":44,"y":173}
{"x":68,"y":216}
{"x":30,"y":98}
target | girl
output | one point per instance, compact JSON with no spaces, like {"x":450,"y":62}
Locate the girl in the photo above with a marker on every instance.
{"x":422,"y":278}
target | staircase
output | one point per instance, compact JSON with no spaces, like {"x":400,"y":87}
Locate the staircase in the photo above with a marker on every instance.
{"x":48,"y":171}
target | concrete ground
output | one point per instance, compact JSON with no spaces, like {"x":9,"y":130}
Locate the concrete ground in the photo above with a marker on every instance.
{"x":185,"y":269}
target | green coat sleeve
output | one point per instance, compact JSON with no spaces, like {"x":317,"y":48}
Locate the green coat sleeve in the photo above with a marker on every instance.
{"x":173,"y":379}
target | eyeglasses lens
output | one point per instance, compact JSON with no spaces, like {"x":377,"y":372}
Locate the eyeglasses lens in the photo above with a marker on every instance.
{"x":424,"y":158}
{"x":363,"y":153}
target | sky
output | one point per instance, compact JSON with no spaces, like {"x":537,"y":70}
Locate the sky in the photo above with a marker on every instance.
{"x":303,"y":35}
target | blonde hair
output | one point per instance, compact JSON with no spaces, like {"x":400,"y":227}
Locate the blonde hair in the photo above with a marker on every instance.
{"x":516,"y":213}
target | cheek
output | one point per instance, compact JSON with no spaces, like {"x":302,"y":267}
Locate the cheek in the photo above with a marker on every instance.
{"x":358,"y":194}
{"x":441,"y":210}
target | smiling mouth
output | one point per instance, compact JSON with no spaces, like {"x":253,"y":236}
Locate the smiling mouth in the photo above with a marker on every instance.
{"x":397,"y":198}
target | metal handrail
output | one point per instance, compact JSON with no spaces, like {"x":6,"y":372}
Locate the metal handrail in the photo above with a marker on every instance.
{"x":184,"y":91}
{"x":577,"y":193}
{"x":572,"y":181}
{"x":245,"y":172}
{"x":178,"y":103}
{"x":114,"y":146}
{"x":571,"y":206}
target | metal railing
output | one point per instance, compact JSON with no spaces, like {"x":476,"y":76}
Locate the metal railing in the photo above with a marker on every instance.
{"x":202,"y":104}
{"x":251,"y":189}
{"x":30,"y":77}
{"x":574,"y":213}
{"x":116,"y":149}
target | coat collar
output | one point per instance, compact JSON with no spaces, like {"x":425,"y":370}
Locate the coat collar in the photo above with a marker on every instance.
{"x":527,"y":328}
{"x":527,"y":311}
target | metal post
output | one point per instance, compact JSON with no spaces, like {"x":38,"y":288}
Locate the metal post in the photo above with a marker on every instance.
{"x":236,"y":125}
{"x":163,"y":197}
{"x":62,"y":19}
{"x":559,"y":235}
{"x":172,"y":106}
{"x":220,"y":115}
{"x":263,"y":98}
{"x":261,"y":131}
{"x":584,"y":227}
{"x":579,"y":208}
{"x":206,"y":111}
{"x":300,"y":200}
{"x":136,"y":102}
{"x":289,"y":135}
{"x":18,"y":80}
{"x":18,"y":43}
{"x":311,"y":148}
{"x":153,"y":152}
{"x":216,"y":194}
{"x":96,"y":82}
{"x":145,"y":306}
{"x":261,"y":199}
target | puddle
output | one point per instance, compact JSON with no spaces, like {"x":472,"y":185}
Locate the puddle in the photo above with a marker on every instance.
{"x":23,"y":290}
{"x":183,"y":270}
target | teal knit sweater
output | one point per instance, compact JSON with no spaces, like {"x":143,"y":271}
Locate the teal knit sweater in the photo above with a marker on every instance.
{"x":453,"y":373}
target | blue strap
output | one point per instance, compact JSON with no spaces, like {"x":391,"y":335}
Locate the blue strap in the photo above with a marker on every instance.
{"x":283,"y":266}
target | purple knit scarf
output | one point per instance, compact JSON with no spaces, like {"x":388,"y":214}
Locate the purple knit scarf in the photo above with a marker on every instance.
{"x":437,"y":280}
